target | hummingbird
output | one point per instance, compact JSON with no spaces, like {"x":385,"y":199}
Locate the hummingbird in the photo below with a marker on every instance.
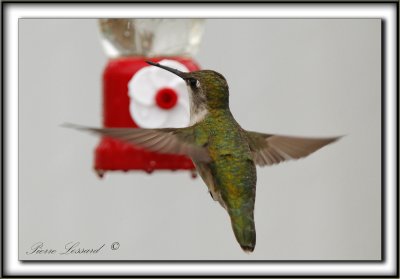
{"x":224,"y":154}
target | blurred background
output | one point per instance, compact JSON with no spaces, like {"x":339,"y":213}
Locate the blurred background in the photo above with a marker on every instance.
{"x":306,"y":77}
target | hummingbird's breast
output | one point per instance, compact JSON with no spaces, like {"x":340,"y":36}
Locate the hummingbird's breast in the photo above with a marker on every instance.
{"x":232,"y":163}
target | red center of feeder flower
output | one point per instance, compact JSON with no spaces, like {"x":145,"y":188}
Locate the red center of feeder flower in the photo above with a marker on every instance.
{"x":166,"y":98}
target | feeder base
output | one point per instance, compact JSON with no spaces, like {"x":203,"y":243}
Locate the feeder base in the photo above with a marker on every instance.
{"x":114,"y":155}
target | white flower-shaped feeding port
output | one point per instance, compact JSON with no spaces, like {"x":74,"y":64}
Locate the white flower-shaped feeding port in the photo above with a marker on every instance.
{"x":158,"y":98}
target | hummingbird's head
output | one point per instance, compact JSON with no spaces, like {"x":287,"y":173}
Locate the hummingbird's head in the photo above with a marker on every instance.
{"x":207,"y":88}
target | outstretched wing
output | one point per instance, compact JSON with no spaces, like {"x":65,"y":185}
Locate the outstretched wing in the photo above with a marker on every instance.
{"x":273,"y":149}
{"x":167,"y":140}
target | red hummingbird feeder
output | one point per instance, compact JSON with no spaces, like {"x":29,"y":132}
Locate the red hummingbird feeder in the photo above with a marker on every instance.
{"x":138,"y":95}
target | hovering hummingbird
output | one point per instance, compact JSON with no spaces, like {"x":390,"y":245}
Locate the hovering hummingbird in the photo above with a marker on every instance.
{"x":224,"y":154}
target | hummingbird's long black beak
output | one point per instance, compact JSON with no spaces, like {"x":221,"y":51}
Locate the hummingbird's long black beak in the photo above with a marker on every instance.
{"x":174,"y":71}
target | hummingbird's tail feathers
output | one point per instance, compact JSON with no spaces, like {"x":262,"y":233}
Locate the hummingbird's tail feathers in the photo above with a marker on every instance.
{"x":273,"y":149}
{"x":245,"y":232}
{"x":247,"y":249}
{"x":166,"y":140}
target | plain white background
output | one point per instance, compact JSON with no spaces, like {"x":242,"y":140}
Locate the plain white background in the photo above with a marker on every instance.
{"x":300,"y":77}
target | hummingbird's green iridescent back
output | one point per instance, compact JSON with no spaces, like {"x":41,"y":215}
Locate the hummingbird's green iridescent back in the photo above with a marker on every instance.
{"x":231,"y":174}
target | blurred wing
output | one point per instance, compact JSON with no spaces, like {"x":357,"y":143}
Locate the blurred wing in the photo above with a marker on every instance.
{"x":167,"y":140}
{"x":273,"y":149}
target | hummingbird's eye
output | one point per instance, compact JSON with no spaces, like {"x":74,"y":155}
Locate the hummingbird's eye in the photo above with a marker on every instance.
{"x":193,"y":82}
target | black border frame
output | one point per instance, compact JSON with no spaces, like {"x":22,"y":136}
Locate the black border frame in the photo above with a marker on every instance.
{"x":383,"y":150}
